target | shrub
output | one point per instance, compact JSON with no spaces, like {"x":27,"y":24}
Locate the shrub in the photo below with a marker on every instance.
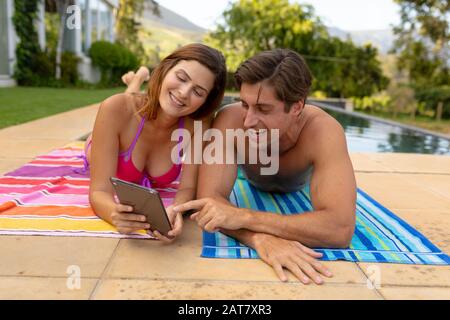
{"x":113,"y":60}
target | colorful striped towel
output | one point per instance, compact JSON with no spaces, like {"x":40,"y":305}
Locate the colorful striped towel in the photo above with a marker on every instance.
{"x":380,"y":235}
{"x":49,"y":196}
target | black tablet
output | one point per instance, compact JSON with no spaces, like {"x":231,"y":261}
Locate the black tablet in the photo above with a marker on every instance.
{"x":145,"y":201}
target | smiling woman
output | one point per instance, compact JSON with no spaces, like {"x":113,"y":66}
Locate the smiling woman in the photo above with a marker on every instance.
{"x":131,"y":139}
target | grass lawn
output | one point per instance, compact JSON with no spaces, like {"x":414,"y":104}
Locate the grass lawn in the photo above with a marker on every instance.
{"x":423,"y":122}
{"x":23,"y":104}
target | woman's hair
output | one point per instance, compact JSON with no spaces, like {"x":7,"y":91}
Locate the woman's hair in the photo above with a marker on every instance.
{"x":208,"y":57}
{"x":284,"y":69}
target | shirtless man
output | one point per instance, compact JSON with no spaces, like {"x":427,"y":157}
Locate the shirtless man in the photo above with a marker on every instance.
{"x":312,"y":149}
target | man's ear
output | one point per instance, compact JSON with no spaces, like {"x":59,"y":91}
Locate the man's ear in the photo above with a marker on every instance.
{"x":297,"y":108}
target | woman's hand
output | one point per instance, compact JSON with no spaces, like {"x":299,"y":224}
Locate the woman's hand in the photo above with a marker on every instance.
{"x":126,"y":221}
{"x":176,"y":220}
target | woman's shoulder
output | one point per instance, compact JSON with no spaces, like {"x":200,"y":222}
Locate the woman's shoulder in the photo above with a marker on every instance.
{"x":121,"y":105}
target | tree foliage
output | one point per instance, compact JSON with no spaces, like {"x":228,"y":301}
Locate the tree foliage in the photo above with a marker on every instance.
{"x":28,"y":52}
{"x":340,"y":68}
{"x":423,"y":48}
{"x":128,"y":25}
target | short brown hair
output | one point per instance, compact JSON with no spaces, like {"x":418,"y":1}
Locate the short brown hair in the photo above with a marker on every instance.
{"x":284,"y":69}
{"x":207,"y":56}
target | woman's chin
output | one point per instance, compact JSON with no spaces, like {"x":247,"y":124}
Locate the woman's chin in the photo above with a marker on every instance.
{"x":174,"y":111}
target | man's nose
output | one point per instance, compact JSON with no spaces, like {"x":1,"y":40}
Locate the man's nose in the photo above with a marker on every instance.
{"x":250,"y":119}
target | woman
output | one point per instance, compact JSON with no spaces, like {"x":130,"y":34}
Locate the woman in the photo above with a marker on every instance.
{"x":132,"y":133}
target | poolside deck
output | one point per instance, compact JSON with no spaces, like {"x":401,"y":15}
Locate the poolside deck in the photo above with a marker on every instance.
{"x":415,"y":187}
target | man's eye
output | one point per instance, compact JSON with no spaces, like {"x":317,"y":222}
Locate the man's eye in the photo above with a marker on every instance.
{"x":245,"y":106}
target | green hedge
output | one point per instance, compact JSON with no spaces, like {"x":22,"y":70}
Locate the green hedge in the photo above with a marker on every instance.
{"x":113,"y":61}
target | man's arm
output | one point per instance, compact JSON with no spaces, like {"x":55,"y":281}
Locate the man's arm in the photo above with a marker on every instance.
{"x":215,"y":184}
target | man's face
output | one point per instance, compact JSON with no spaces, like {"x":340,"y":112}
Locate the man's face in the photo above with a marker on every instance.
{"x":264,"y":111}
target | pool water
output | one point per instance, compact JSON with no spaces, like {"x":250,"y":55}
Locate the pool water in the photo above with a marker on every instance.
{"x":367,"y":135}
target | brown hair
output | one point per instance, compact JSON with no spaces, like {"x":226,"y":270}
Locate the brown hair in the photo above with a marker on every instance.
{"x":284,"y":69}
{"x":207,"y":56}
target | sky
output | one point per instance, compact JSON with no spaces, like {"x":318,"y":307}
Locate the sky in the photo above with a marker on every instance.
{"x":348,"y":15}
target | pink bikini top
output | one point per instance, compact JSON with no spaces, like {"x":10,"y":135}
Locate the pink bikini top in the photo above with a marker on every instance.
{"x":126,"y":170}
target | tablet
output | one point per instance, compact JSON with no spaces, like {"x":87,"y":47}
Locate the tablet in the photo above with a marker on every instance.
{"x":145,"y":201}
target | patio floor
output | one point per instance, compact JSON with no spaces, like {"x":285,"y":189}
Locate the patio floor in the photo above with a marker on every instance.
{"x":415,"y":187}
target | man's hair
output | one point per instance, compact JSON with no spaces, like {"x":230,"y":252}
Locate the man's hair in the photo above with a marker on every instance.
{"x":284,"y":69}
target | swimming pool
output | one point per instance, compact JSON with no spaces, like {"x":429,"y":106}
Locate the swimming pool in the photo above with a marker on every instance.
{"x":366,"y":134}
{"x":370,"y":134}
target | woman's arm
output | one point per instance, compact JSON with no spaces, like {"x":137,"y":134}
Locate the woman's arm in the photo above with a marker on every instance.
{"x":188,"y":183}
{"x":111,"y":119}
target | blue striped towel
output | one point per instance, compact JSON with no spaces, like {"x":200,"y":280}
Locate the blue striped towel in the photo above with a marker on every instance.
{"x":380,"y":236}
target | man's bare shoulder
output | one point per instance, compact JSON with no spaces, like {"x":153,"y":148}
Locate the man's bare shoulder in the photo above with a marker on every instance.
{"x":230,"y":116}
{"x":322,"y":132}
{"x":321,"y":124}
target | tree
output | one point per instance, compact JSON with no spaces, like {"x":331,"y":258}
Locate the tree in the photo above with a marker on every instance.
{"x":128,"y":26}
{"x":423,"y":49}
{"x":340,"y":68}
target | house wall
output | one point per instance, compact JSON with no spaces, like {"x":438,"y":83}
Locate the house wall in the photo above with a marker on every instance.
{"x":7,"y":44}
{"x":4,"y":64}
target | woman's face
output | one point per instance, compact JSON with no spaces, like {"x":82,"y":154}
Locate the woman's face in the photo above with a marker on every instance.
{"x":185,"y":88}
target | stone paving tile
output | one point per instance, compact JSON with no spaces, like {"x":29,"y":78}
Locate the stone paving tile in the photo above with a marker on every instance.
{"x":408,"y":275}
{"x":439,"y":184}
{"x":181,"y":260}
{"x":362,"y":163}
{"x":395,"y":192}
{"x":415,"y":293}
{"x":29,"y":148}
{"x":416,"y":163}
{"x":68,"y":125}
{"x":40,"y":288}
{"x":10,"y":164}
{"x":226,"y":290}
{"x":52,"y":256}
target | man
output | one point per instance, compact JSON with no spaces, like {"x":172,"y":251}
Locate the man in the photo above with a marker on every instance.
{"x":312,"y":149}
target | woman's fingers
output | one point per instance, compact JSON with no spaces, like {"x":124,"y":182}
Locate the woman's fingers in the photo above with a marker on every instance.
{"x":132,"y":217}
{"x":177,"y":227}
{"x":161,"y":237}
{"x":132,"y":225}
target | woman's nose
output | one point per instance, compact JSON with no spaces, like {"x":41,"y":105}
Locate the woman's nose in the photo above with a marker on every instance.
{"x":184,"y":91}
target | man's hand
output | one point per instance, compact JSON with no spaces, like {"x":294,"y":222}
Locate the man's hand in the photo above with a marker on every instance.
{"x":212,"y":215}
{"x":176,"y":220}
{"x":291,"y":255}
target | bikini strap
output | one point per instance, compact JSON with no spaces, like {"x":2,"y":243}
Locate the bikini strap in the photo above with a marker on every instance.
{"x":133,"y":144}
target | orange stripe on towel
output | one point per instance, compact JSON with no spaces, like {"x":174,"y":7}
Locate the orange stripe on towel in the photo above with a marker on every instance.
{"x":47,"y":211}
